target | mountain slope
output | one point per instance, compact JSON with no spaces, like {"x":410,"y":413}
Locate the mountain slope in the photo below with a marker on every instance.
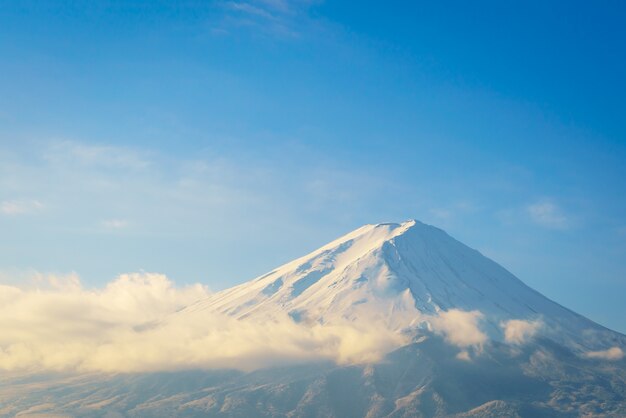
{"x":401,"y":275}
{"x":476,"y":342}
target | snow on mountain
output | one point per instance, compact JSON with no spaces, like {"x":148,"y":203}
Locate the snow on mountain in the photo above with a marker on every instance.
{"x":408,"y":276}
{"x":476,"y":342}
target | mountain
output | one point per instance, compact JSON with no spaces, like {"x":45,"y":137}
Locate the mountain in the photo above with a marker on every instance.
{"x":403,"y":275}
{"x":460,"y":337}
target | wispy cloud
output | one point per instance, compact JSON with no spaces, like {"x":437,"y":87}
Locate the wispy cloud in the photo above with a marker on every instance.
{"x":613,"y":353}
{"x":280,"y":18}
{"x":72,"y":152}
{"x":115,"y":224}
{"x":447,"y":215}
{"x":92,"y":188}
{"x":548,"y":214}
{"x":20,"y":207}
{"x":250,"y":9}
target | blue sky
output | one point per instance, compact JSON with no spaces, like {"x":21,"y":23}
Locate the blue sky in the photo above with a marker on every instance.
{"x":212,"y":141}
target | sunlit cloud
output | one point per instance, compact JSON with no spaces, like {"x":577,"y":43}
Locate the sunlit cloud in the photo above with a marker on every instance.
{"x":138,"y":322}
{"x":132,"y":324}
{"x":460,"y":328}
{"x":517,"y":331}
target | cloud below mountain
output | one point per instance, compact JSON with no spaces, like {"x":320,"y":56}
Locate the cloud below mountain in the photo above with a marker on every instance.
{"x":143,"y":322}
{"x":460,"y":328}
{"x":132,"y":325}
{"x":517,"y":331}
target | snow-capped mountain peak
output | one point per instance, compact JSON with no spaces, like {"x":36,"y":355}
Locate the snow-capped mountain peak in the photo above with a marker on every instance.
{"x":400,"y":274}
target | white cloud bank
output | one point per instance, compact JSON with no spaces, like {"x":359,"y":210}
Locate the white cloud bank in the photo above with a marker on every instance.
{"x":138,"y":323}
{"x":613,"y":353}
{"x":135,"y":324}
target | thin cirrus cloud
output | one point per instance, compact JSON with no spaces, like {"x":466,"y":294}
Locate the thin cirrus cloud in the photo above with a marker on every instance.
{"x":81,"y":180}
{"x":115,"y":224}
{"x":280,"y":19}
{"x":20,"y":207}
{"x":76,"y":153}
{"x":548,"y":214}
